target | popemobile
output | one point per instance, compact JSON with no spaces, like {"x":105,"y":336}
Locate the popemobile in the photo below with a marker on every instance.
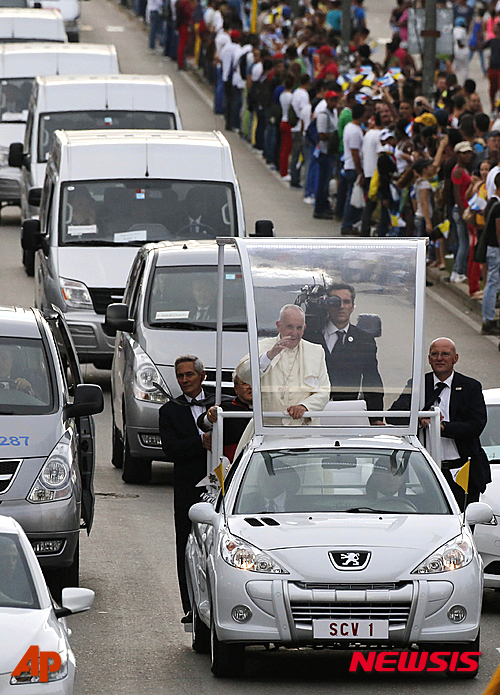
{"x":334,"y":525}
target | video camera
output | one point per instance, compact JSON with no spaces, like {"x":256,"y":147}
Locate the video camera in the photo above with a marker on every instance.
{"x":315,"y":302}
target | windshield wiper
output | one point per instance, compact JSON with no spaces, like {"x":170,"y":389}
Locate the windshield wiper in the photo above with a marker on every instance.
{"x":366,"y":510}
{"x":183,"y":326}
{"x":7,"y":412}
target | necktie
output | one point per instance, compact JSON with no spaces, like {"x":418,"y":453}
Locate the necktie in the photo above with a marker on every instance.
{"x":435,"y":395}
{"x":340,"y":341}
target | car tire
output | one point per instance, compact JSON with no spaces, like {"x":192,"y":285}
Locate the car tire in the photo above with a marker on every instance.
{"x":116,"y":448}
{"x":58,"y":578}
{"x":201,"y":634}
{"x":227,"y":660}
{"x":469,"y":647}
{"x":29,"y":263}
{"x":136,"y":470}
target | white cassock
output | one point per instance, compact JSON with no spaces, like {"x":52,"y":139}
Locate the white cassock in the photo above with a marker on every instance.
{"x":294,"y":377}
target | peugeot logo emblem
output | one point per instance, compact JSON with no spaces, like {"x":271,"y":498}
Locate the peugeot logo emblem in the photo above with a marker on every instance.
{"x":350,"y":559}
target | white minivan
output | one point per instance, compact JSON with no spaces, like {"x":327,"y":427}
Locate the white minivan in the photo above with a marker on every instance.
{"x":70,"y":11}
{"x":27,"y":24}
{"x":20,"y":63}
{"x":88,"y":102}
{"x":106,"y":193}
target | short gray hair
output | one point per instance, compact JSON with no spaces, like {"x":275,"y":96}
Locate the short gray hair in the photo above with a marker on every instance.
{"x":287,"y":307}
{"x":198,"y":364}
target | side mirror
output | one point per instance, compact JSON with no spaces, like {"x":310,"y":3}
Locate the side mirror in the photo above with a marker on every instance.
{"x":479,"y":513}
{"x":117,"y":318}
{"x":35,"y":197}
{"x":202,"y":513}
{"x":16,"y":155}
{"x":264,"y":228}
{"x":74,"y":601}
{"x":31,"y":237}
{"x":88,"y":401}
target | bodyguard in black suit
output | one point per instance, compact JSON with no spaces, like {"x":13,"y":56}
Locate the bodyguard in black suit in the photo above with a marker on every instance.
{"x":351,"y":354}
{"x":182,"y":443}
{"x":463,"y":418}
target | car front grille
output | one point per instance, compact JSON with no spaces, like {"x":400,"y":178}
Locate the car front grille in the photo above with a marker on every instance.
{"x":8,"y":469}
{"x":316,"y":586}
{"x":103,"y":296}
{"x":305,"y":613}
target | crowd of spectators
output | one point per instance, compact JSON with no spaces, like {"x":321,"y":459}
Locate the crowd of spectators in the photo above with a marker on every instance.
{"x":364,"y":145}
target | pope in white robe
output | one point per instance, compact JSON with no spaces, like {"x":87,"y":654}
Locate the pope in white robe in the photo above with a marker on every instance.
{"x":294,"y":378}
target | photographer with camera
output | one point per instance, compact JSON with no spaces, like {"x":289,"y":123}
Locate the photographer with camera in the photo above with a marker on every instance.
{"x":350,"y":352}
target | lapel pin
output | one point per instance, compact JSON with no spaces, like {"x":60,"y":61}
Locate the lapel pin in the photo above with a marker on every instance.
{"x":350,"y":338}
{"x":458,"y":388}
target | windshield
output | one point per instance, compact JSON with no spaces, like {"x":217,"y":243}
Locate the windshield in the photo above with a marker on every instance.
{"x":133,"y":212}
{"x":186,"y":297}
{"x":14,"y":96}
{"x":490,"y":437}
{"x":340,"y":480}
{"x":24,"y":379}
{"x":16,"y":583}
{"x":97,"y":120}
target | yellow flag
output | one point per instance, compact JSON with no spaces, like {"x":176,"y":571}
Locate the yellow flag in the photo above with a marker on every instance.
{"x":219,"y":472}
{"x":461,"y":477}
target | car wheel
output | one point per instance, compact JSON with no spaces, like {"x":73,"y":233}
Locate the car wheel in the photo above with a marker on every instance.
{"x":58,"y":578}
{"x":116,"y":448}
{"x":201,"y":634}
{"x":463,"y":648}
{"x":135,"y":469}
{"x":228,"y":660}
{"x":29,"y":263}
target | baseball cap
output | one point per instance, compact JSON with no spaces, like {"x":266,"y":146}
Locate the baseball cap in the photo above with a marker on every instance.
{"x":331,"y":94}
{"x":325,"y":51}
{"x":235,"y":34}
{"x":386,"y":133}
{"x":463,"y":147}
{"x":426,"y":119}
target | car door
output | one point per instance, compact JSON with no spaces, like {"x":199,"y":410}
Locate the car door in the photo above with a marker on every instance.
{"x":84,"y":424}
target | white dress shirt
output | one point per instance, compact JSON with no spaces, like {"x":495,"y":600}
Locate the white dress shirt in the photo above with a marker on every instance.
{"x":449,"y":451}
{"x":331,"y":334}
{"x":197,"y":410}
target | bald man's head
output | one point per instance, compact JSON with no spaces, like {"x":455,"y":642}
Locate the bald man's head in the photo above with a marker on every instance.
{"x":442,"y":357}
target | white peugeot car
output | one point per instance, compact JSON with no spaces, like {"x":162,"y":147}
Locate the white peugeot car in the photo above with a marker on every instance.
{"x":28,"y":618}
{"x":342,"y":542}
{"x":487,"y":538}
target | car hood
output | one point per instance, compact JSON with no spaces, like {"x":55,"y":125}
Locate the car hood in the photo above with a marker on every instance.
{"x":20,"y":628}
{"x":43,"y":432}
{"x":235,"y":346}
{"x":397,"y":542}
{"x":96,"y":266}
{"x":11,"y":132}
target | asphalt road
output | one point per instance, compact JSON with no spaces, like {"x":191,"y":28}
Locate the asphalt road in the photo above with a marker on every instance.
{"x":131,"y":642}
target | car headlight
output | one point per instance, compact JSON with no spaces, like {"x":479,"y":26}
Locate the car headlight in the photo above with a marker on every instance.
{"x":145,"y":373}
{"x":76,"y":294}
{"x":238,"y":553}
{"x":453,"y":555}
{"x":58,"y":675}
{"x":58,"y":476}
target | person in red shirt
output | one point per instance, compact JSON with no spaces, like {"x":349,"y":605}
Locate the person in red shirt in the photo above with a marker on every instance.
{"x":184,"y":9}
{"x":327,"y":66}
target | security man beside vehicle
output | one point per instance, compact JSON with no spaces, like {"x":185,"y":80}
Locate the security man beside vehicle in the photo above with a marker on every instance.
{"x":182,"y":442}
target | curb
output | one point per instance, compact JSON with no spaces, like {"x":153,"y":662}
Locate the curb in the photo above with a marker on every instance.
{"x":459,"y":290}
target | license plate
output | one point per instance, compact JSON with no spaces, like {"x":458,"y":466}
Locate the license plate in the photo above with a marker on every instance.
{"x":350,"y":629}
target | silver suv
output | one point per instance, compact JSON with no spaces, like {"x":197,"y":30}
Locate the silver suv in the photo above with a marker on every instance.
{"x":47,"y":439}
{"x":169,"y":309}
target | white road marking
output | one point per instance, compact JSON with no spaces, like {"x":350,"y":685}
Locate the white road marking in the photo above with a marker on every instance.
{"x":86,"y":27}
{"x":460,"y":314}
{"x":114,"y":30}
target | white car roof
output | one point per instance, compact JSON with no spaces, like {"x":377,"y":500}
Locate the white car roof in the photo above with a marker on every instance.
{"x":99,"y":92}
{"x":31,"y":24}
{"x":491,"y":396}
{"x":39,"y":58}
{"x":9,"y":525}
{"x":270,"y":442}
{"x":173,"y":253}
{"x":16,"y":322}
{"x":159,"y":154}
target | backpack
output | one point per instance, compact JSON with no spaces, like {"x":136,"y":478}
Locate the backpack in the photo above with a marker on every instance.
{"x":242,"y":64}
{"x":333,"y":143}
{"x":260,"y":94}
{"x":312,"y":136}
{"x":293,"y":119}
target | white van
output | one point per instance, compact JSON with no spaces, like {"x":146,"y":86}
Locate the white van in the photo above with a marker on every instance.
{"x":88,"y":102}
{"x":26,"y":24}
{"x":70,"y":10}
{"x":108,"y":193}
{"x":20,"y":63}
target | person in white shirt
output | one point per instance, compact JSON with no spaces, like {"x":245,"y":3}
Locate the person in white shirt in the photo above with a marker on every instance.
{"x":371,"y":148}
{"x":229,"y":57}
{"x":285,"y":129}
{"x":353,"y":168}
{"x":326,"y":125}
{"x":300,"y":100}
{"x":154,"y":11}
